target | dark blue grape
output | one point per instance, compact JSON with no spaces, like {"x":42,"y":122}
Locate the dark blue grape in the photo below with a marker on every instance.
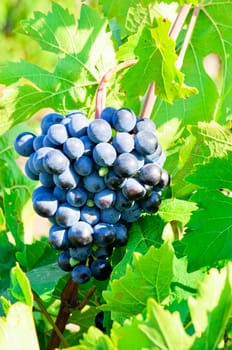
{"x":122,"y":202}
{"x":38,"y":142}
{"x":29,"y":172}
{"x":110,"y":215}
{"x":55,"y":162}
{"x":77,"y":197}
{"x":154,"y":157}
{"x":104,"y":154}
{"x":66,"y":215}
{"x":73,"y":148}
{"x":93,"y":182}
{"x":91,"y":215}
{"x":78,"y":124}
{"x":105,"y":199}
{"x":88,"y":145}
{"x":46,"y":179}
{"x":50,"y":119}
{"x":164,"y":180}
{"x":132,"y":214}
{"x":133,"y":189}
{"x":124,"y":120}
{"x":101,"y":269}
{"x":139,"y":157}
{"x":126,"y":165}
{"x":123,"y":142}
{"x":99,"y":131}
{"x":107,"y":113}
{"x":160,"y":162}
{"x":67,"y":180}
{"x":41,"y":190}
{"x":102,"y":252}
{"x":150,"y":174}
{"x":145,"y":142}
{"x":64,"y":261}
{"x":99,"y":321}
{"x":30,"y":164}
{"x":45,"y":204}
{"x":38,"y":157}
{"x":114,"y":181}
{"x":81,"y":274}
{"x":81,"y":254}
{"x":121,"y":235}
{"x":60,"y":194}
{"x":145,"y":124}
{"x":57,"y":134}
{"x":23,"y":144}
{"x":83,"y":165}
{"x":47,"y":143}
{"x":58,"y":237}
{"x":151,"y":204}
{"x":103,"y":234}
{"x":80,"y":234}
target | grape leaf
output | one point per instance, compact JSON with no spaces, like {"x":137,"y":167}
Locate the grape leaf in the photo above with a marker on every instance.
{"x":83,"y":55}
{"x":19,"y":321}
{"x":128,"y":295}
{"x":211,"y":310}
{"x":20,"y":286}
{"x":156,"y":55}
{"x":176,"y":209}
{"x":208,"y":236}
{"x":213,"y":100}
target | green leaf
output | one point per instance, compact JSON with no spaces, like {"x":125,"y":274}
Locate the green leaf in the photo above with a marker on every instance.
{"x":20,"y":287}
{"x":208,"y":237}
{"x":148,"y":276}
{"x":95,"y":338}
{"x":211,"y":310}
{"x":176,"y":209}
{"x":17,"y":330}
{"x":213,"y":101}
{"x":156,"y":62}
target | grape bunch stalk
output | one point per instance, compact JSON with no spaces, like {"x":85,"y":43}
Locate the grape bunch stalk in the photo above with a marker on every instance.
{"x":96,"y":178}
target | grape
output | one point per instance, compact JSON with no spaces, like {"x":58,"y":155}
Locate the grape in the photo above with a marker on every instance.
{"x":66,"y":180}
{"x":50,"y":119}
{"x":121,"y":235}
{"x":122,"y":202}
{"x":114,"y":181}
{"x":29,"y":172}
{"x":145,"y":124}
{"x":91,"y":215}
{"x":78,"y":124}
{"x":145,"y":142}
{"x":77,"y":197}
{"x":99,"y":321}
{"x":83,"y":165}
{"x":57,"y":134}
{"x":93,"y":182}
{"x":99,"y":131}
{"x":104,"y":154}
{"x":60,"y":194}
{"x":64,"y":261}
{"x":105,"y":199}
{"x":67,"y":215}
{"x":55,"y":162}
{"x":160,"y":162}
{"x":81,"y":254}
{"x":153,"y":157}
{"x":24,"y":144}
{"x":41,"y":190}
{"x":139,"y":157}
{"x":80,"y":234}
{"x":110,"y":215}
{"x":46,"y":179}
{"x":133,"y":189}
{"x":38,"y":142}
{"x":123,"y":142}
{"x":107,"y":113}
{"x":150,"y":174}
{"x":88,"y":145}
{"x":103,"y":234}
{"x":102,"y":252}
{"x":81,"y":274}
{"x":124,"y":120}
{"x":164,"y":180}
{"x":38,"y":157}
{"x":45,"y":204}
{"x":58,"y":237}
{"x":126,"y":165}
{"x":47,"y":143}
{"x":73,"y":148}
{"x":152,"y":203}
{"x":101,"y":269}
{"x":131,"y":214}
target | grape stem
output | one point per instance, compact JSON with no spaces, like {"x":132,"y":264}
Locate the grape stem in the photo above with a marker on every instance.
{"x":101,"y":91}
{"x":68,"y":302}
{"x":173,"y":33}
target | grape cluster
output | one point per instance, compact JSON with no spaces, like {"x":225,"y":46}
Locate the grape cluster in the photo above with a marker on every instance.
{"x":96,"y":178}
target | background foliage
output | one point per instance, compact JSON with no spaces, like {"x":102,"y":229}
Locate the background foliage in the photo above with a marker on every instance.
{"x":171,"y":287}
